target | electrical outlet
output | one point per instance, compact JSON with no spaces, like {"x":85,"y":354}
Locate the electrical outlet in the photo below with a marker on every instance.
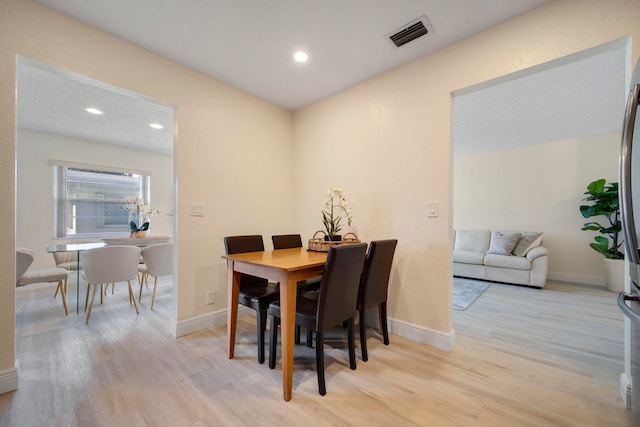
{"x":211,"y":297}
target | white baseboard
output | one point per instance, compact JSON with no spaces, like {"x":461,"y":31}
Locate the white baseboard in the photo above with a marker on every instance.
{"x":411,"y":331}
{"x":578,"y":278}
{"x":9,"y":379}
{"x":625,"y":390}
{"x":423,"y":335}
{"x":209,"y":320}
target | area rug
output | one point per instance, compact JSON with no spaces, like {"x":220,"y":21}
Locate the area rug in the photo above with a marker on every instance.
{"x":466,"y":292}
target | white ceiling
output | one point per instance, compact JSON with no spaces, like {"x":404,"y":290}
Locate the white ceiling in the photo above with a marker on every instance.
{"x":249,"y":44}
{"x":577,"y":95}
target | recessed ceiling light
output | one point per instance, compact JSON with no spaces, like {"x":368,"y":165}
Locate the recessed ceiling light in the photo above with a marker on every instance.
{"x":300,"y":56}
{"x":156,"y":125}
{"x":94,"y":111}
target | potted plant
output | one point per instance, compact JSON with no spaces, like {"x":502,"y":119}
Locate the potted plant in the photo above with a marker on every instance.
{"x":334,"y":202}
{"x":602,"y":200}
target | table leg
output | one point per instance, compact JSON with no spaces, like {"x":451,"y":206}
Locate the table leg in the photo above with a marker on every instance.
{"x":288,"y":289}
{"x":78,"y":284}
{"x":233,"y":291}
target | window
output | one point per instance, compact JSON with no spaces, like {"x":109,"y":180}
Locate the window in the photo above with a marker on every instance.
{"x":90,"y":200}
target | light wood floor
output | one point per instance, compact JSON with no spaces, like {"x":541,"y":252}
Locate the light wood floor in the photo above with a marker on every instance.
{"x":524,"y":357}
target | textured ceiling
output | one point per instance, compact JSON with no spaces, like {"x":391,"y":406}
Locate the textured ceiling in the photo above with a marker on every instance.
{"x":579,"y":95}
{"x":249,"y":44}
{"x":53,"y":101}
{"x":233,"y":39}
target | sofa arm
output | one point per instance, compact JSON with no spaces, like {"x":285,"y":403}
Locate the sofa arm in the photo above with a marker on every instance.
{"x":537,"y":252}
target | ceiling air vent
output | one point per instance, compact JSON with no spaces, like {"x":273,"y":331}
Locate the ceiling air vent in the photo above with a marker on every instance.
{"x":410,"y":32}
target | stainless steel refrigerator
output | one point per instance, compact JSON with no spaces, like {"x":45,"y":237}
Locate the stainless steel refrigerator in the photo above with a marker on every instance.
{"x":629,"y":187}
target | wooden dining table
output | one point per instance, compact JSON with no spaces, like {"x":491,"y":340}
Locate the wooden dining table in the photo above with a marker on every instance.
{"x":287,"y":267}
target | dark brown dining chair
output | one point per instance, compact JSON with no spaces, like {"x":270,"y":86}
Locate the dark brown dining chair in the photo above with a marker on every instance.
{"x":287,"y":241}
{"x":374,"y":286}
{"x":335,"y":304}
{"x":255,"y":292}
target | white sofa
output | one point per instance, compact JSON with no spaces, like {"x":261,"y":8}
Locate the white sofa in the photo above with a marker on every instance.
{"x":501,"y":256}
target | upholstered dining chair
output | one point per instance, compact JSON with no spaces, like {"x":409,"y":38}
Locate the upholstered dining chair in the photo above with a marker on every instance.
{"x":287,"y":241}
{"x":255,"y":292}
{"x":374,"y":287}
{"x":24,"y":276}
{"x":109,"y":264}
{"x":335,"y":304}
{"x":158,"y":261}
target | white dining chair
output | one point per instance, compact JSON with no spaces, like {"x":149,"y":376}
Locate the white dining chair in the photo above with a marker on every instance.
{"x":24,"y":276}
{"x":109,"y":264}
{"x":157,"y":261}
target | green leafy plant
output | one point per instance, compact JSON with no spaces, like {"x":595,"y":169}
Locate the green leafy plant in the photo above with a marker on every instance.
{"x":603,"y":200}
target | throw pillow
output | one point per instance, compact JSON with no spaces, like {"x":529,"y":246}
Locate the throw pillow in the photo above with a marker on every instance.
{"x":503,"y":243}
{"x":527,"y":242}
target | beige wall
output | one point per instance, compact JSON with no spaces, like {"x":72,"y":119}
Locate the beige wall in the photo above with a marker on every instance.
{"x":539,"y":187}
{"x":234,"y":152}
{"x":34,"y":222}
{"x":387,"y":142}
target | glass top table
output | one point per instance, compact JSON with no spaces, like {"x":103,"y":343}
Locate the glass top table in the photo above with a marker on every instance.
{"x":74,"y":247}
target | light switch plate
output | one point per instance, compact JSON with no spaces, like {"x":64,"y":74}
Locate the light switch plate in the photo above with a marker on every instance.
{"x":197,"y":209}
{"x":433,"y":208}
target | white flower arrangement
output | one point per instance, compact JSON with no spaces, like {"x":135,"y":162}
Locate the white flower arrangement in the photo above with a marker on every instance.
{"x":136,"y":205}
{"x":335,"y":199}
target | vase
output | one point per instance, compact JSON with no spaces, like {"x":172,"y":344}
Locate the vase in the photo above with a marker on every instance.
{"x":138,"y":234}
{"x":614,"y":273}
{"x":334,"y":238}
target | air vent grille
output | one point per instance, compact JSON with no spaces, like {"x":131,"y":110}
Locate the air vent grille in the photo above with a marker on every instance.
{"x":410,"y":33}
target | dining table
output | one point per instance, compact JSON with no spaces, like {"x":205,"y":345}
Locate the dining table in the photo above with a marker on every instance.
{"x":286,"y":267}
{"x":80,"y":247}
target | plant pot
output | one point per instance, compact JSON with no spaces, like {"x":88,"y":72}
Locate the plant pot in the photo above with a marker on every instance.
{"x":334,"y":238}
{"x":138,"y":234}
{"x":614,"y":273}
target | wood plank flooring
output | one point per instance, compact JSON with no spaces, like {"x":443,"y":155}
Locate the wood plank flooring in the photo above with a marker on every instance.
{"x":524,"y":357}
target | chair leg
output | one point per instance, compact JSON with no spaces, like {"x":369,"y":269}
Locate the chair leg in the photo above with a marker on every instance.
{"x":363,"y":335}
{"x":273,"y":341}
{"x":297,"y":335}
{"x":322,"y":389}
{"x":93,"y":297}
{"x":309,"y":338}
{"x":153,"y":297}
{"x":131,"y":296}
{"x":140,"y":295}
{"x":382,"y":315}
{"x":352,"y":345}
{"x":261,"y":328}
{"x":63,"y":295}
{"x":86,"y":299}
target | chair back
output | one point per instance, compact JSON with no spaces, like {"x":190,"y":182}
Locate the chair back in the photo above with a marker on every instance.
{"x":110,"y":264}
{"x":339,"y":287}
{"x":374,"y":282}
{"x":158,"y":259}
{"x":240,"y":244}
{"x":68,"y":260}
{"x":286,"y":241}
{"x":24,"y":259}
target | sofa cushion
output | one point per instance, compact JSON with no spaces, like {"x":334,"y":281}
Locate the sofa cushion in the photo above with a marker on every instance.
{"x":468,"y":257}
{"x":507,"y":261}
{"x":527,"y":242}
{"x":503,"y":243}
{"x":472,"y":240}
